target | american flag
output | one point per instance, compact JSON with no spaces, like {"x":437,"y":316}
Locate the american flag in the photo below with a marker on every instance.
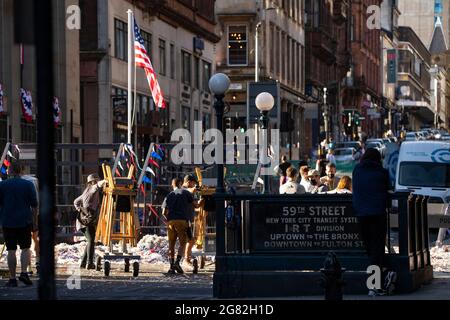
{"x":143,"y":61}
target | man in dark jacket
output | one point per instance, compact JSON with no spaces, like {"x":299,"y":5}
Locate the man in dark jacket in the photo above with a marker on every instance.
{"x":177,"y":208}
{"x":370,"y":196}
{"x":17,"y":199}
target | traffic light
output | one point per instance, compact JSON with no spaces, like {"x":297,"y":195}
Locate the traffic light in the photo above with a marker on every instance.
{"x":357,"y":120}
{"x":228,"y":123}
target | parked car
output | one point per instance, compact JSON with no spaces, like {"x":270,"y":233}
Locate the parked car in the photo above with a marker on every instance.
{"x":344,"y":154}
{"x":411,"y":136}
{"x":381,"y":147}
{"x":344,"y":160}
{"x":376,"y":145}
{"x":423,"y":167}
{"x":347,"y":144}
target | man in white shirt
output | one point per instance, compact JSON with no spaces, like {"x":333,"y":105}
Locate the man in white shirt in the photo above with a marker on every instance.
{"x":291,"y":187}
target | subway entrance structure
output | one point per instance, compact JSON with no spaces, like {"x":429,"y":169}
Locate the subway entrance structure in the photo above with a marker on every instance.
{"x":275,"y":245}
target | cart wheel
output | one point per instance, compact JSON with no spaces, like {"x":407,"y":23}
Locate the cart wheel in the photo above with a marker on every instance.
{"x":202,"y":262}
{"x":127,"y":265}
{"x":106,"y":268}
{"x":99,"y":264}
{"x":135,"y":269}
{"x":195,"y":265}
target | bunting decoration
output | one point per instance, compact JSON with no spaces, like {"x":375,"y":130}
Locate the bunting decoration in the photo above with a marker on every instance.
{"x":27,"y":105}
{"x":146,"y":179}
{"x":155,"y":155}
{"x":153,"y":162}
{"x":56,"y":112}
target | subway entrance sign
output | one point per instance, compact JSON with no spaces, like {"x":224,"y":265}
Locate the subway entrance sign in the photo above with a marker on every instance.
{"x":275,"y":245}
{"x":303,"y":227}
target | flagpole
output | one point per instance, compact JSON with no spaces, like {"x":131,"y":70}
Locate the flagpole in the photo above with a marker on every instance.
{"x":130,"y":70}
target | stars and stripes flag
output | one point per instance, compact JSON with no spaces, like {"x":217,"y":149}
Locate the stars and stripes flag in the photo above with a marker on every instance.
{"x":142,"y":60}
{"x":27,"y":105}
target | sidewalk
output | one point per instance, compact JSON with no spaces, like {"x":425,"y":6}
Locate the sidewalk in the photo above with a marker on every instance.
{"x":153,"y":284}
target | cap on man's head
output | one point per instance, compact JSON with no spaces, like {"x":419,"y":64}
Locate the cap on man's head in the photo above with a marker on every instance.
{"x":313,"y":173}
{"x":189,"y":178}
{"x":92,"y":177}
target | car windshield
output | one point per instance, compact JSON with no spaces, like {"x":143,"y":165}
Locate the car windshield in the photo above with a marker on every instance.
{"x":425,"y":174}
{"x":343,"y":152}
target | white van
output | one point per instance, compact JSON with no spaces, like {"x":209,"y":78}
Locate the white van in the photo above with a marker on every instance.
{"x":424,"y":168}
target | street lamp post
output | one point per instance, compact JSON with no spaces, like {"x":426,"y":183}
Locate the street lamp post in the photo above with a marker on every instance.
{"x":325,"y":113}
{"x":219,"y":84}
{"x":264,"y":102}
{"x":257,"y":52}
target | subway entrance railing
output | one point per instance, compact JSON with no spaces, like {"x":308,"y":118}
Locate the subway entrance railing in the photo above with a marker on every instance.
{"x":275,"y":245}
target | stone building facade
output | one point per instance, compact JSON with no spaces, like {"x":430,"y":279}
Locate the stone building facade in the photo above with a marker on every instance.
{"x":180,"y":40}
{"x":281,"y":53}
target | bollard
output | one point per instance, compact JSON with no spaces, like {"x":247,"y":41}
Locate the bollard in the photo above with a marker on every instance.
{"x":332,"y":280}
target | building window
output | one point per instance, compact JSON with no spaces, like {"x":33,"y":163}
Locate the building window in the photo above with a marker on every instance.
{"x":206,"y":121}
{"x":162,"y":57}
{"x":196,"y":115}
{"x":277,"y":52}
{"x":172,"y":61}
{"x":272,"y":45}
{"x":196,"y":73}
{"x":186,"y":67}
{"x":417,"y":65}
{"x":120,"y":113}
{"x":316,"y":14}
{"x":283,"y":58}
{"x":206,"y":75}
{"x":147,"y":43}
{"x":120,"y":39}
{"x":186,"y":117}
{"x":237,"y":45}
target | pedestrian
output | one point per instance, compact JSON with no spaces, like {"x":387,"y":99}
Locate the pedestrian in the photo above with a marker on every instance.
{"x":344,"y":186}
{"x":87,"y":206}
{"x":35,"y":227}
{"x":292,"y":187}
{"x":331,"y":145}
{"x":443,"y":231}
{"x":281,"y":169}
{"x":370,"y":197}
{"x":189,"y":184}
{"x":321,"y":164}
{"x":304,"y":178}
{"x":330,"y":179}
{"x":18,"y":198}
{"x":316,"y":185}
{"x":330,"y":156}
{"x":359,"y":152}
{"x":177,"y":208}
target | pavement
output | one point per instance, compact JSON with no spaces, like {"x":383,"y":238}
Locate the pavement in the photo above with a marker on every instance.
{"x":154,"y":284}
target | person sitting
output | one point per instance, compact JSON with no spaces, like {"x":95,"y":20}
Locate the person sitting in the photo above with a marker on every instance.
{"x":292,"y":187}
{"x":344,"y":186}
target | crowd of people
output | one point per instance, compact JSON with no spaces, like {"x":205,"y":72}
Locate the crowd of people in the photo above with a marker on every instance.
{"x":312,"y":180}
{"x":369,"y":200}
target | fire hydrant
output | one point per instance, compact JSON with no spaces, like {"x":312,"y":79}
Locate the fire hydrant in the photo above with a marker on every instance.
{"x":332,"y":280}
